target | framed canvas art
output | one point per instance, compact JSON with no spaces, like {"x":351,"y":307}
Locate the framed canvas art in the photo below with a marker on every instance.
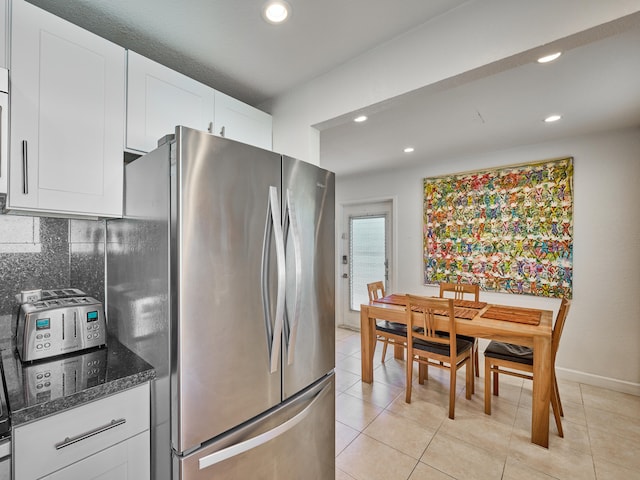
{"x":508,"y":229}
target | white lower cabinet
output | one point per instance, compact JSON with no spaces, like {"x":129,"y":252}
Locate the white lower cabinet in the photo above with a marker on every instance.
{"x":128,"y":460}
{"x":105,"y":439}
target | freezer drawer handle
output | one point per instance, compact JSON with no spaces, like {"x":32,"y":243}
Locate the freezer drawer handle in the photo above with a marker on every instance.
{"x":83,"y":436}
{"x":261,"y":439}
{"x":291,"y":223}
{"x":274,"y":225}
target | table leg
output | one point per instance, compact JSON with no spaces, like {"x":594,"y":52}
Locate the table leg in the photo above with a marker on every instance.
{"x":367,"y":344}
{"x":541,"y":390}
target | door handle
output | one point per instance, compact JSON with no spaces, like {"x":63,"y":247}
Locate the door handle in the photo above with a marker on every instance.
{"x":292,"y":223}
{"x":273,"y":225}
{"x":263,"y":438}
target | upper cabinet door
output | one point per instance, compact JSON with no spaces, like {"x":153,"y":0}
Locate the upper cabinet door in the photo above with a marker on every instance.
{"x":67,"y":117}
{"x":159,"y":99}
{"x":242,"y":122}
{"x":4,"y":8}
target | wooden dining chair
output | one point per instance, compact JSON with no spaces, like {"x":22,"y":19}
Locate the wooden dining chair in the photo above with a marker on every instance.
{"x":427,"y":346}
{"x":511,"y":360}
{"x":386,"y":331}
{"x":459,"y":291}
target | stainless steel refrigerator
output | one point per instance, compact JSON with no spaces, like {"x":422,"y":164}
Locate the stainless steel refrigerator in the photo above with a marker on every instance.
{"x":221,"y":275}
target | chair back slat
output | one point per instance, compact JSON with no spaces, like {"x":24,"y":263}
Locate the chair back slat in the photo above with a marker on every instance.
{"x":459,"y":290}
{"x":428,"y":307}
{"x":428,"y":323}
{"x":376,"y":290}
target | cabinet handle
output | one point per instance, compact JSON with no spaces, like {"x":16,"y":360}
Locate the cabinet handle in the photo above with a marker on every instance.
{"x":1,"y":141}
{"x":25,"y":165}
{"x":83,"y":436}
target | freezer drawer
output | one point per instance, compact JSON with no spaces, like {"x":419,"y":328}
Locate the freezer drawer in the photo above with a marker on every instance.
{"x":294,"y":441}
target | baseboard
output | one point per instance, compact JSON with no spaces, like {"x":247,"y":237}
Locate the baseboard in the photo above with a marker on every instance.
{"x":598,"y":381}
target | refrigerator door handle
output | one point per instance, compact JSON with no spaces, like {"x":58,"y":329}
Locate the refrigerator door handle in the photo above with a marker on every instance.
{"x":292,"y":224}
{"x":263,"y":438}
{"x":274,"y":224}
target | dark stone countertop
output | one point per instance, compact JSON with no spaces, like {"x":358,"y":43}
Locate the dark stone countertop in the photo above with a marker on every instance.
{"x":70,"y":380}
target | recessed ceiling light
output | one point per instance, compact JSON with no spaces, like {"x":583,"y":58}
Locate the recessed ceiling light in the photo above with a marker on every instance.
{"x":276,"y":11}
{"x":552,"y":118}
{"x":549,"y":58}
{"x":409,"y":150}
{"x":360,"y":119}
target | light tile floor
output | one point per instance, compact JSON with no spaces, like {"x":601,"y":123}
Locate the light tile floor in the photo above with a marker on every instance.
{"x":380,"y":437}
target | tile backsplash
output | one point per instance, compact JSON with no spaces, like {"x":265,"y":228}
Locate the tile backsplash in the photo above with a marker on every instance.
{"x":40,"y":252}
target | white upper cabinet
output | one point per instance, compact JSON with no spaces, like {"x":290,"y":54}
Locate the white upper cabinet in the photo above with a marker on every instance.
{"x":238,"y":121}
{"x":158,"y":99}
{"x":67,"y":90}
{"x":4,"y":21}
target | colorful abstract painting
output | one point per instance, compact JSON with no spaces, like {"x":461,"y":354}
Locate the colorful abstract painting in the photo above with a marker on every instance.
{"x":508,"y":229}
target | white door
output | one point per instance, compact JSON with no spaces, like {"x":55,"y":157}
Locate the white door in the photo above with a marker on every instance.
{"x":366,"y":255}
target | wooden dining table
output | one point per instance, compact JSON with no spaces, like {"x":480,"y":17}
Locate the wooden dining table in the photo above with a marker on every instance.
{"x":537,"y":337}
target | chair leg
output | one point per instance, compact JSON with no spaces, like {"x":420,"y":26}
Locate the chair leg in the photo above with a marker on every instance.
{"x":555,"y":381}
{"x":556,"y":411}
{"x":452,"y":391}
{"x":407,"y":397}
{"x":384,"y":349}
{"x":476,"y":361}
{"x":495,"y":382}
{"x":475,"y":364}
{"x":470,"y":378}
{"x":487,"y":386}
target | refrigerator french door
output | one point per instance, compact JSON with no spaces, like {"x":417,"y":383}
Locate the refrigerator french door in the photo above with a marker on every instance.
{"x":309,"y":230}
{"x":246,"y":237}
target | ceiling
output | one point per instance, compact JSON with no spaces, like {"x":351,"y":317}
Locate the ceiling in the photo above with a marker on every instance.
{"x":226,"y":44}
{"x":594,"y":86}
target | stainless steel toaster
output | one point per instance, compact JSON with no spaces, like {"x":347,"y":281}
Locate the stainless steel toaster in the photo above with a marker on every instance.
{"x":59,"y":325}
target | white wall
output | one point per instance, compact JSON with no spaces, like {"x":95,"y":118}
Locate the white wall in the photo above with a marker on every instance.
{"x":600,"y":340}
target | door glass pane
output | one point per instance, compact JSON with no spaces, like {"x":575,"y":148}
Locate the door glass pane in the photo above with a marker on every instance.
{"x":367,"y":251}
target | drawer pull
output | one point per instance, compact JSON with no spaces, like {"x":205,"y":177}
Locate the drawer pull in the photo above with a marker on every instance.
{"x":71,"y":440}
